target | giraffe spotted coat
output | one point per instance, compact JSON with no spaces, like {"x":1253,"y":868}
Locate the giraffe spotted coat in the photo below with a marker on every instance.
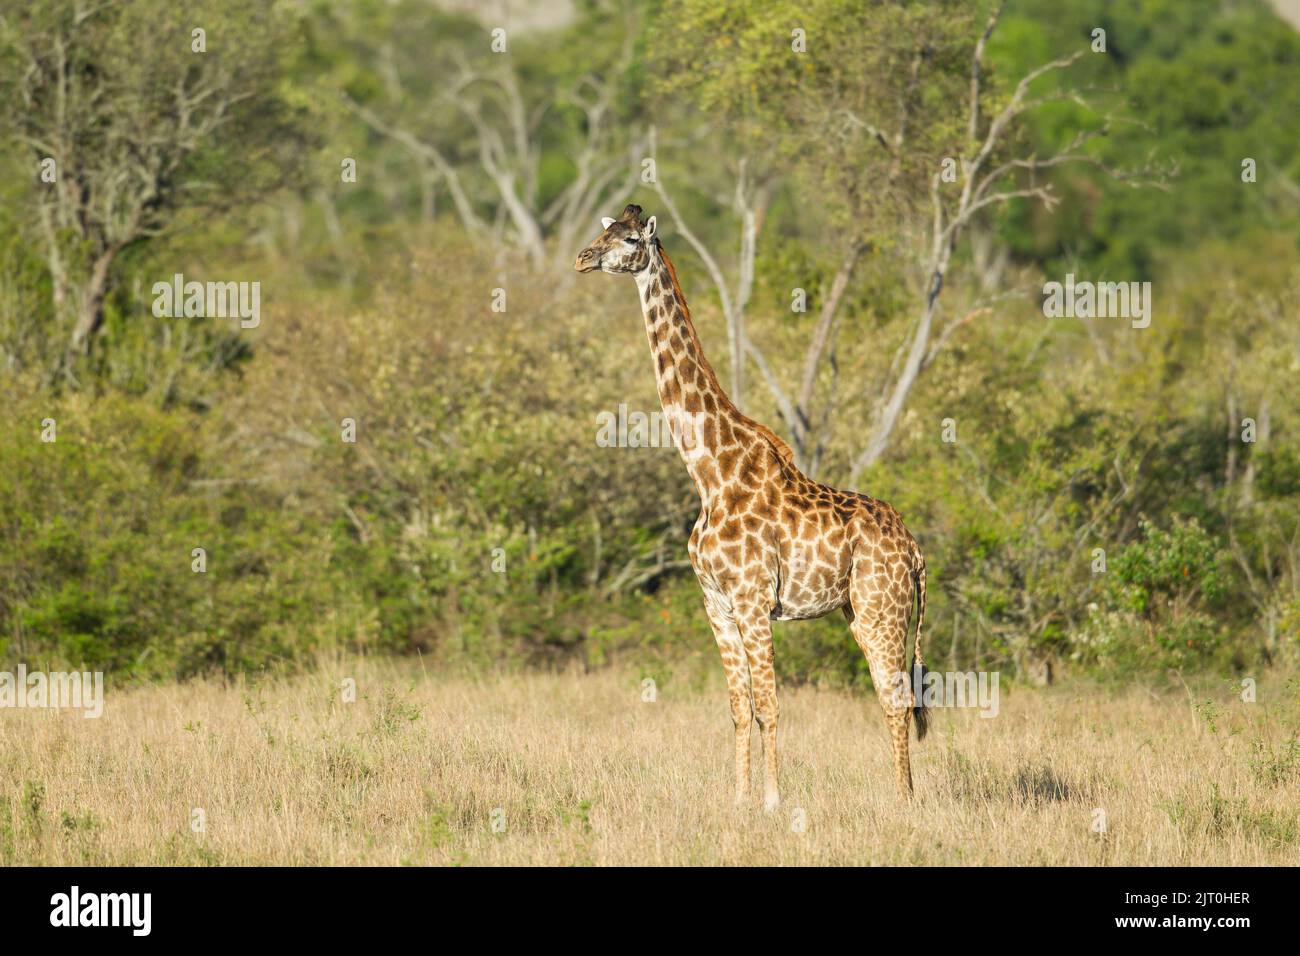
{"x":770,"y":543}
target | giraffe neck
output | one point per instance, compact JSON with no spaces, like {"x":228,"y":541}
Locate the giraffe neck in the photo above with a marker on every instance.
{"x":701,"y":415}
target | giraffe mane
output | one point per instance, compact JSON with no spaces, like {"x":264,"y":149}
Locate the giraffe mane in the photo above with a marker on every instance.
{"x":782,"y":450}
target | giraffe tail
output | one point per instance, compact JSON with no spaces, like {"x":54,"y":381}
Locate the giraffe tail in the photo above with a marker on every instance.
{"x":919,"y":714}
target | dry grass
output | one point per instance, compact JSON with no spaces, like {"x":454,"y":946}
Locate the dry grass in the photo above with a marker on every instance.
{"x":584,"y":772}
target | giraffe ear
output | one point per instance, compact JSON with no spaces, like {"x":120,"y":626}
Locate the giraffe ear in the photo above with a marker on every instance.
{"x":606,"y":222}
{"x":650,"y":225}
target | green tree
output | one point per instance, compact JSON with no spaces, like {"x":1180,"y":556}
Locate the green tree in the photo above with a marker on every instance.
{"x":890,"y":119}
{"x":131,"y":114}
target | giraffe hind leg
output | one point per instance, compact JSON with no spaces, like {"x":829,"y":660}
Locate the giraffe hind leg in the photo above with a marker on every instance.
{"x":756,"y":631}
{"x":880,"y":630}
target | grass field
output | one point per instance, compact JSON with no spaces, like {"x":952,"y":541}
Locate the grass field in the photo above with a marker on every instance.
{"x":577,"y":769}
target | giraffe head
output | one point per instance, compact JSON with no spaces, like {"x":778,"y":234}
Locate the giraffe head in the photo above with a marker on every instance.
{"x":624,"y":246}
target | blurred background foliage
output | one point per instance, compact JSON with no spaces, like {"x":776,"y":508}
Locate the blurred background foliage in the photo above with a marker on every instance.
{"x":476,"y":520}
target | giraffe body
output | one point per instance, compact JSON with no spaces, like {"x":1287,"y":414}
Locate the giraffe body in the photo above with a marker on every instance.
{"x":770,"y":543}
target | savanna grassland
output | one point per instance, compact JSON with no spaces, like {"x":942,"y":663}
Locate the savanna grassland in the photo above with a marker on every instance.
{"x":577,"y":769}
{"x":395,"y":471}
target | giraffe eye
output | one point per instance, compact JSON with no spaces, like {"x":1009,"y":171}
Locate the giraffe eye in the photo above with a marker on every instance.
{"x":631,"y":240}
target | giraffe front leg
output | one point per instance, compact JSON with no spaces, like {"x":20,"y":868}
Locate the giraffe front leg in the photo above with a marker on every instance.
{"x":756,"y":632}
{"x":735,"y":665}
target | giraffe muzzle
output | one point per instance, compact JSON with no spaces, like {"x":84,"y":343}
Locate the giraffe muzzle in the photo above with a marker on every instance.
{"x":587,"y":261}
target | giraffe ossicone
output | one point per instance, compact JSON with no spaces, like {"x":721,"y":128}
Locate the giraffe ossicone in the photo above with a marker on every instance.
{"x":770,"y":543}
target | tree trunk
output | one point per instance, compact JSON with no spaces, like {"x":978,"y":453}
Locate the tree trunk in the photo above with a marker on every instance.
{"x":805,"y":437}
{"x":889,"y":415}
{"x":91,"y":314}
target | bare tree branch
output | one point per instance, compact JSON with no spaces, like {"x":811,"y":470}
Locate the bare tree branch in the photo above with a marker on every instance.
{"x":977,"y":63}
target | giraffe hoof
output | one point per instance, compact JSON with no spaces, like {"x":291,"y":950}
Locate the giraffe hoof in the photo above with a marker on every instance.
{"x":771,"y":802}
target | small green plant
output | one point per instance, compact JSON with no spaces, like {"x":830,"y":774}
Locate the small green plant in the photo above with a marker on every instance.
{"x":85,"y":823}
{"x":1218,"y":817}
{"x":437,"y":830}
{"x":345,"y":763}
{"x":580,"y":819}
{"x":8,"y":839}
{"x":393,"y":712}
{"x":1210,"y":712}
{"x":1275,"y":765}
{"x":33,"y":803}
{"x":580,"y":816}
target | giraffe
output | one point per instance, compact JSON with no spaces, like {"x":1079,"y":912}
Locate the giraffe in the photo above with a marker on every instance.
{"x":770,"y":544}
